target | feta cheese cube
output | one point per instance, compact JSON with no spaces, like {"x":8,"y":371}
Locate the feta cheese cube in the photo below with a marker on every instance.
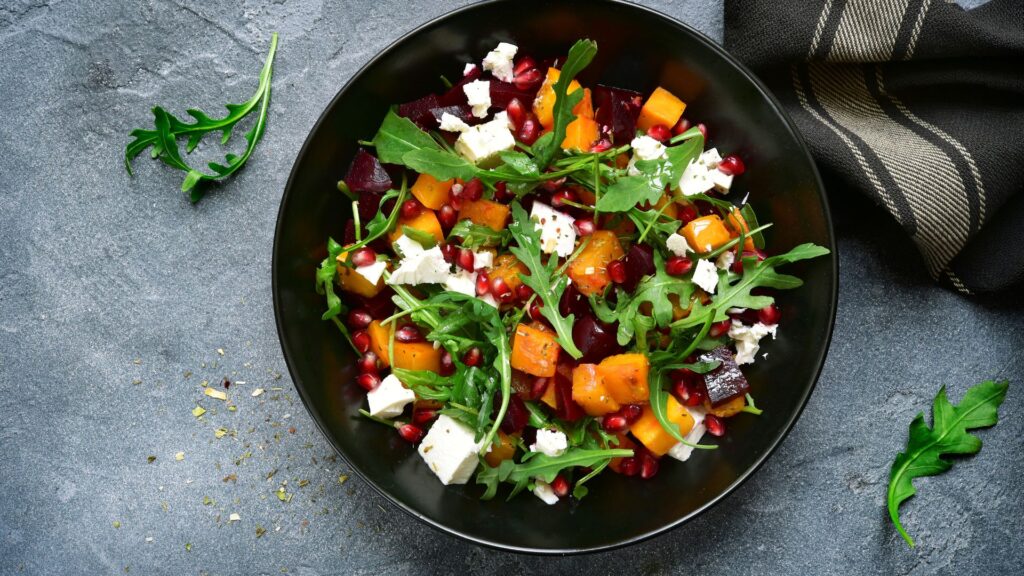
{"x":647,"y":148}
{"x":678,"y":245}
{"x":426,"y":267}
{"x":543,"y":490}
{"x":711,"y":158}
{"x":407,"y":246}
{"x":462,"y":282}
{"x":468,"y":69}
{"x":557,"y":233}
{"x":483,"y":260}
{"x":389,"y":399}
{"x":748,"y":339}
{"x":550,"y":442}
{"x":705,"y":275}
{"x":721,"y":181}
{"x":499,"y":61}
{"x":696,"y":179}
{"x":478,"y":95}
{"x":372,"y":272}
{"x":452,"y":123}
{"x":681,"y":451}
{"x":725,"y":260}
{"x":482,"y":143}
{"x":449,"y":451}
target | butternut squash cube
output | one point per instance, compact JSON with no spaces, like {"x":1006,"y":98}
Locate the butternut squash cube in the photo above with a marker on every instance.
{"x":625,"y":377}
{"x":426,"y":221}
{"x":505,"y":449}
{"x":580,"y":134}
{"x":650,"y":433}
{"x":706,"y":233}
{"x":588,"y":391}
{"x":662,"y":107}
{"x":544,"y":104}
{"x":379,"y":337}
{"x":485,"y":213}
{"x":589,"y":271}
{"x":738,"y":224}
{"x":430,"y":191}
{"x":508,"y":268}
{"x":408,"y":355}
{"x":356,"y":283}
{"x":535,"y":352}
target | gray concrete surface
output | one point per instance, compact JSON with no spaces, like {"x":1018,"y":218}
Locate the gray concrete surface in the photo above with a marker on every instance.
{"x":118,"y":298}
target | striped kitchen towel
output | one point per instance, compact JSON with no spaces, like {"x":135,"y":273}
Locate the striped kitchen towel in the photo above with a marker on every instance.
{"x":917,"y":103}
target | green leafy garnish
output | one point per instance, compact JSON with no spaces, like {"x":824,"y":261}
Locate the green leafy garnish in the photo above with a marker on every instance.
{"x":948,"y":435}
{"x":397,"y":136}
{"x":167,"y":129}
{"x":425,"y":239}
{"x":580,"y":55}
{"x":479,"y":235}
{"x":546,"y":283}
{"x":539,"y":465}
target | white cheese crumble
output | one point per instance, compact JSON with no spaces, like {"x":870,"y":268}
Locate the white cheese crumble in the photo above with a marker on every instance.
{"x":499,"y":61}
{"x":483,"y":260}
{"x":426,"y":267}
{"x":482,"y":143}
{"x":711,"y":158}
{"x":389,"y":399}
{"x":647,"y":148}
{"x":681,"y":451}
{"x":468,"y":69}
{"x":372,"y":272}
{"x":449,"y":451}
{"x":408,"y":247}
{"x":550,"y":442}
{"x":705,"y":275}
{"x":462,"y":282}
{"x":678,"y":245}
{"x":748,"y":339}
{"x":725,"y":260}
{"x":721,"y":181}
{"x":543,"y":490}
{"x":452,"y":123}
{"x":478,"y":95}
{"x":557,"y":233}
{"x":696,"y":179}
{"x":488,"y":298}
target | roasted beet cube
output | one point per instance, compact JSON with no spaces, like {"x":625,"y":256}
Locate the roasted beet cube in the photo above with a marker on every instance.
{"x":419,"y":111}
{"x":455,"y":94}
{"x":595,"y":339}
{"x":380,"y":306}
{"x":463,"y":112}
{"x":503,"y":92}
{"x":639,"y":262}
{"x":618,"y":109}
{"x":567,"y":408}
{"x":516,"y":416}
{"x":365,"y":174}
{"x":727,"y":381}
{"x":572,"y":302}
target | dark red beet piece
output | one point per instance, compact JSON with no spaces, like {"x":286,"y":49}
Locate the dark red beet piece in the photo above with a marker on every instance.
{"x":639,"y":262}
{"x":463,"y":112}
{"x":573,"y":302}
{"x":503,"y":92}
{"x":365,"y":174}
{"x":380,"y":306}
{"x":618,"y":109}
{"x":419,"y":111}
{"x":725,"y":382}
{"x":455,"y":94}
{"x":594,"y":338}
{"x":567,"y":409}
{"x":516,"y":416}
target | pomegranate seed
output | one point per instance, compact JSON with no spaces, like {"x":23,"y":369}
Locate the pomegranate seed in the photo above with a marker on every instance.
{"x":629,"y":466}
{"x":682,"y":126}
{"x":617,"y":271}
{"x":732,"y":165}
{"x":361,"y":340}
{"x":552,"y":185}
{"x":687,"y":212}
{"x":529,"y":131}
{"x":659,"y":132}
{"x":560,"y":486}
{"x":614,"y":423}
{"x":632,"y":412}
{"x":411,"y":209}
{"x":449,"y":252}
{"x":678,"y":265}
{"x":472,"y":357}
{"x":465,"y":259}
{"x":602,"y":145}
{"x":368,"y":363}
{"x":539,"y":386}
{"x":500,"y":290}
{"x":473,"y":190}
{"x":681,"y":391}
{"x":524,"y":64}
{"x":501,"y":193}
{"x":408,"y":334}
{"x":697,"y":396}
{"x":719,"y":328}
{"x":359,"y":319}
{"x":528,"y":79}
{"x":769,"y":314}
{"x":423,"y":416}
{"x":448,"y":216}
{"x":523,"y":292}
{"x":411,"y":433}
{"x":368,"y":381}
{"x":558,"y":198}
{"x":516,"y":112}
{"x":703,"y":130}
{"x":364,"y":257}
{"x":648,"y":466}
{"x":714,"y":425}
{"x":447,"y":365}
{"x":483,"y":284}
{"x":737,"y":265}
{"x":535,"y":310}
{"x":585,"y":226}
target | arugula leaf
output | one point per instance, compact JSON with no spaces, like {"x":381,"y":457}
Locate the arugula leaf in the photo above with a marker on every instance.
{"x":654,"y":290}
{"x":649,"y":184}
{"x":381,"y":223}
{"x":325,"y":276}
{"x":948,"y":435}
{"x":681,"y":155}
{"x":479,"y":235}
{"x":520,"y":162}
{"x":659,"y":400}
{"x":440,"y":164}
{"x":164,"y":138}
{"x":398,"y":136}
{"x":425,"y":239}
{"x":750,"y":217}
{"x":546,"y":283}
{"x":580,"y":55}
{"x":626,"y":192}
{"x":540,"y":465}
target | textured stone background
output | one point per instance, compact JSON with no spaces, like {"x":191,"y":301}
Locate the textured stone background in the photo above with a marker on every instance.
{"x":116,"y":294}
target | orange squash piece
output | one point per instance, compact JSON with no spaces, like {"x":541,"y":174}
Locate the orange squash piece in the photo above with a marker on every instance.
{"x":589,"y":271}
{"x":379,"y":337}
{"x":505,"y":449}
{"x":508,"y":268}
{"x":534,"y":352}
{"x":585,"y":107}
{"x":544,"y":104}
{"x":426,"y":221}
{"x":650,"y":433}
{"x":430,"y":191}
{"x":738,"y":224}
{"x":588,"y":391}
{"x":580,"y":134}
{"x":729,"y":409}
{"x":485,"y":213}
{"x":625,"y":377}
{"x":671,"y":209}
{"x":549,"y":396}
{"x":706,"y":233}
{"x":624,"y":442}
{"x":662,"y":107}
{"x":356,"y":283}
{"x":411,"y":355}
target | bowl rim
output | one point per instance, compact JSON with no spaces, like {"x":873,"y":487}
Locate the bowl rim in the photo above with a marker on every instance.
{"x":743,"y":477}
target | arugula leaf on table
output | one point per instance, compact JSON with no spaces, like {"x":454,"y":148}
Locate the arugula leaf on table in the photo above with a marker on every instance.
{"x":479,"y":235}
{"x":580,"y":56}
{"x":543,"y":278}
{"x":948,"y":435}
{"x":540,"y":465}
{"x":164,"y":138}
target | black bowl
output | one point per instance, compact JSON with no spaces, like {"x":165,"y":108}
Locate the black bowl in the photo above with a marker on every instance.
{"x":638,"y":49}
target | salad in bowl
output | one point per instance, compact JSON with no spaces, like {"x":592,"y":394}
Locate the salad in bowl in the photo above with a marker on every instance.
{"x":545,"y":281}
